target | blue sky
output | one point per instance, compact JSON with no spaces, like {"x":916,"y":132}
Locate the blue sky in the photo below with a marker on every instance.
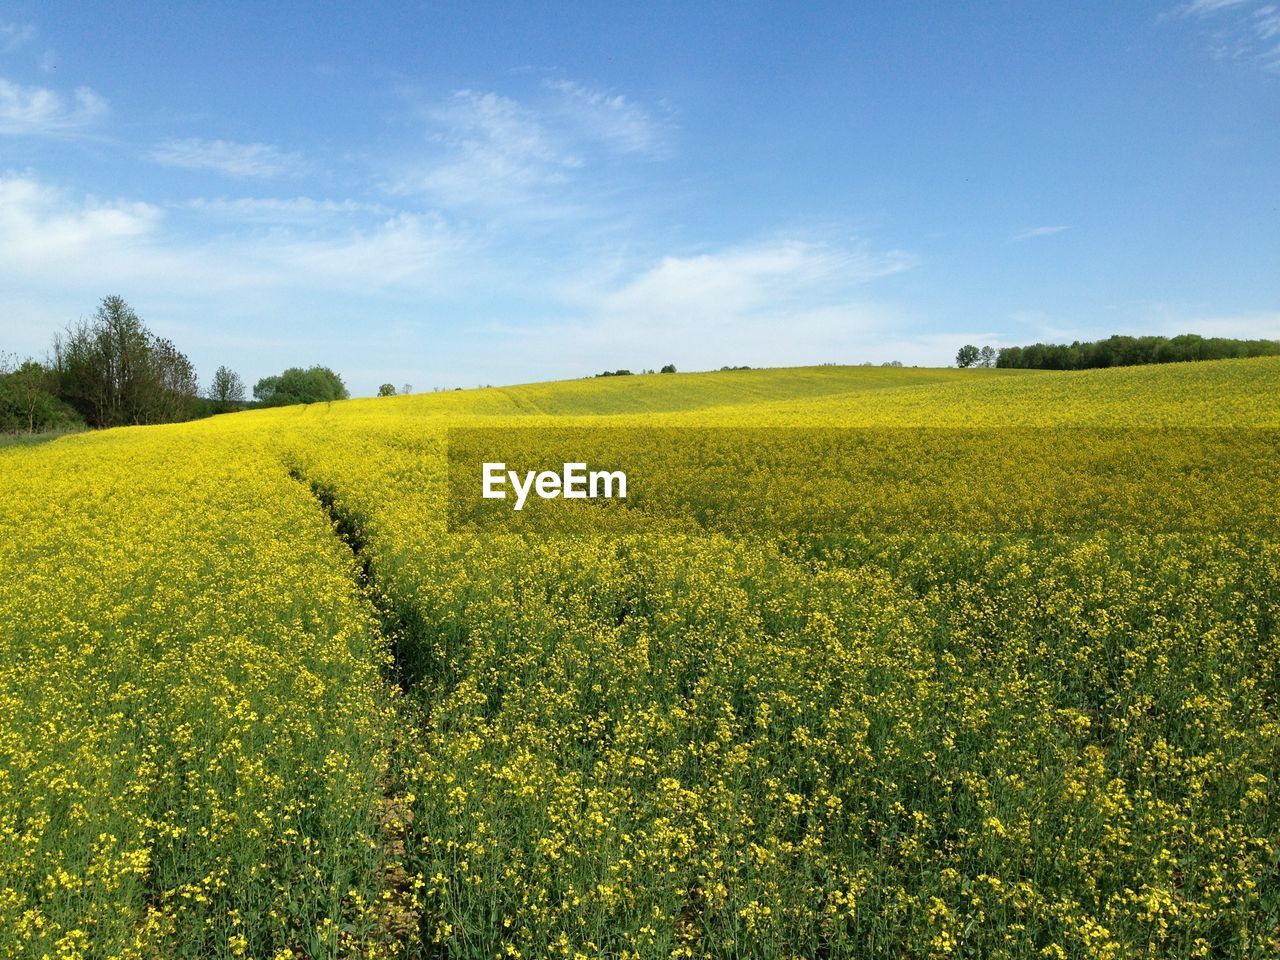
{"x":461,"y":193}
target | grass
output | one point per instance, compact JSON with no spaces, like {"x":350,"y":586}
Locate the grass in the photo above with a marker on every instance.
{"x":31,"y":439}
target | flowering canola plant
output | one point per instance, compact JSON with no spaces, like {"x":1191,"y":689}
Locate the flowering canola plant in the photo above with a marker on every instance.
{"x":259,"y":697}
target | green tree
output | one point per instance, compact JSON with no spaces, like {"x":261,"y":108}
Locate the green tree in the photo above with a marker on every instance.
{"x":113,"y":371}
{"x":669,"y":368}
{"x":967,"y":355}
{"x":387,"y":390}
{"x":172,"y":387}
{"x":987,"y":357}
{"x":226,"y":389}
{"x":1009,"y":357}
{"x":27,"y":399}
{"x":296,"y":385}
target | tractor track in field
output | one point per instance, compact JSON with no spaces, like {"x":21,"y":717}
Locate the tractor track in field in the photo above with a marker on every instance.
{"x":401,"y":924}
{"x":349,"y":527}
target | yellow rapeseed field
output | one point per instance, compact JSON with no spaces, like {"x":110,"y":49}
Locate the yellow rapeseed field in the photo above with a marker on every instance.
{"x":983,"y":663}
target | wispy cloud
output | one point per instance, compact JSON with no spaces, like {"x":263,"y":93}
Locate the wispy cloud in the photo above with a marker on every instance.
{"x":1246,"y":30}
{"x":1031,"y":233}
{"x":283,"y":210}
{"x":1266,"y":24}
{"x":777,"y":301}
{"x":489,"y":150}
{"x":609,"y":118}
{"x":1212,"y":6}
{"x":250,"y":160}
{"x":41,"y":111}
{"x":408,"y":251}
{"x":749,"y":279}
{"x":15,"y":35}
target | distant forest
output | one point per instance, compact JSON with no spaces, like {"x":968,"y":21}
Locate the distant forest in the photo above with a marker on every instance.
{"x":1120,"y":351}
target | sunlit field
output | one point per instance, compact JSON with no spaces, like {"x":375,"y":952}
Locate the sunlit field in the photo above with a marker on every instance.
{"x":260,"y":698}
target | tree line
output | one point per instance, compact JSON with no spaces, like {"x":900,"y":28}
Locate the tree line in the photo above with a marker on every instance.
{"x":1122,"y":351}
{"x":668,"y":368}
{"x":111,"y":371}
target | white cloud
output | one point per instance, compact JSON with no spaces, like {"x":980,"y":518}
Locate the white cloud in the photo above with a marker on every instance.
{"x":49,"y":236}
{"x":1267,"y":21}
{"x":286,"y":210}
{"x":38,"y":226}
{"x":39,"y":110}
{"x":491,"y":151}
{"x":223,"y":156}
{"x":776,"y":302}
{"x":1266,"y":24}
{"x":1032,"y":232}
{"x":609,"y":118}
{"x":259,"y":282}
{"x":1246,"y":30}
{"x":735,"y":282}
{"x":15,"y":35}
{"x":259,"y":296}
{"x":1211,"y":6}
{"x":406,"y":250}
